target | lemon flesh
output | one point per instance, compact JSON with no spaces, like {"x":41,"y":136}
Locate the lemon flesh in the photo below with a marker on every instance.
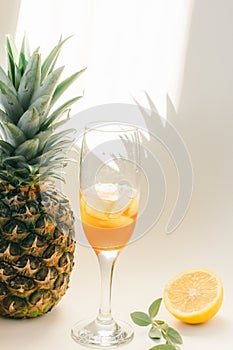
{"x":194,"y":296}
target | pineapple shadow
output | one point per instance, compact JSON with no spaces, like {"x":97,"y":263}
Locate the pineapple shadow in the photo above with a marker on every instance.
{"x":204,"y":119}
{"x":204,"y":113}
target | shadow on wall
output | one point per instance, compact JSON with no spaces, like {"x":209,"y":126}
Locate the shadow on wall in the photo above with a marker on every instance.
{"x":205,"y":112}
{"x":9,"y":14}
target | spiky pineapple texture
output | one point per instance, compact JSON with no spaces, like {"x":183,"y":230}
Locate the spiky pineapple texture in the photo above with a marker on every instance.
{"x":36,"y":249}
{"x":36,"y":220}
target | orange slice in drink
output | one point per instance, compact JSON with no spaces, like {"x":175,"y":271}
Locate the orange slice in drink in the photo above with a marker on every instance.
{"x":194,"y":296}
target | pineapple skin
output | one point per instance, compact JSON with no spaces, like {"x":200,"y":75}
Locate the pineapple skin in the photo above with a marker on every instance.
{"x":36,"y":248}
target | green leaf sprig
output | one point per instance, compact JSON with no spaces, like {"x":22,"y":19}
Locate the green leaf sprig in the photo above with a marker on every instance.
{"x":159,"y":329}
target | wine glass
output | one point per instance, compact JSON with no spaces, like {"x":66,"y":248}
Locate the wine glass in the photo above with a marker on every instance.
{"x":109,"y":199}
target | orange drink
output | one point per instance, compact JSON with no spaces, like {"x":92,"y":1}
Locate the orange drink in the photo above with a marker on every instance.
{"x":111,"y":227}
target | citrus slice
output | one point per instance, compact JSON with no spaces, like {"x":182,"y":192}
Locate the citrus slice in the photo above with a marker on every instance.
{"x":194,"y":296}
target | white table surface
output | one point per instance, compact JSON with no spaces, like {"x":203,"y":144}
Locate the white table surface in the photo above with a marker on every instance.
{"x":141,"y":271}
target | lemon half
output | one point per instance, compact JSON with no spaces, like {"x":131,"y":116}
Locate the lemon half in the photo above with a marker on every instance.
{"x":194,"y":296}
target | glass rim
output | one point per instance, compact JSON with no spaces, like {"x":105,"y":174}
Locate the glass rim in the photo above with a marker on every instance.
{"x":99,"y":125}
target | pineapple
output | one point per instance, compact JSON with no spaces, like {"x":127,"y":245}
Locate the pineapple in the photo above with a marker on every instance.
{"x":36,"y":220}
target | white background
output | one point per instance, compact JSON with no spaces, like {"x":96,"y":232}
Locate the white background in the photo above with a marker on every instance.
{"x":179,"y":48}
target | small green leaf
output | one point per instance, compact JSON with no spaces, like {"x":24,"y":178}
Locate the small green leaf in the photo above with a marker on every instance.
{"x":158,"y":322}
{"x":140,"y":318}
{"x":163,"y":347}
{"x":164,"y":327}
{"x":154,"y":333}
{"x":174,"y":336}
{"x":154,"y":308}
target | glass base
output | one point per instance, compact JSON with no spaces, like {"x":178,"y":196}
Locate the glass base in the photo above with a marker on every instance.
{"x":97,"y":334}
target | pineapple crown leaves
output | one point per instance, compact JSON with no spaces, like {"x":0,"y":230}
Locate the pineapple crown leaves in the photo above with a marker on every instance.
{"x":29,"y":144}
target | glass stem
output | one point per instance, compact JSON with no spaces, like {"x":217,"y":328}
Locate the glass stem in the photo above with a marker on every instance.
{"x":106,"y":262}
